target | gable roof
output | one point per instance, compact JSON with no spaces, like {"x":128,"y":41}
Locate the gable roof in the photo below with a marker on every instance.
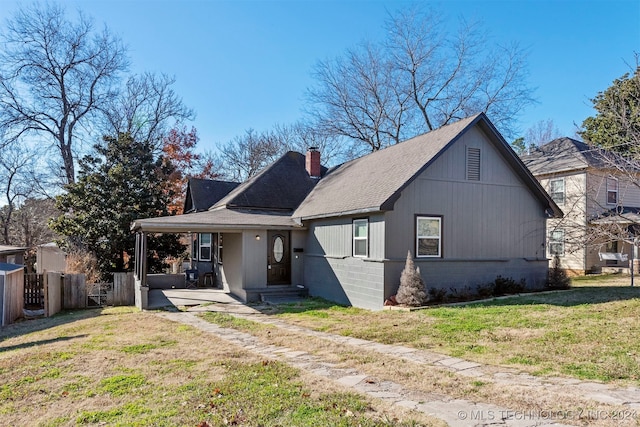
{"x":281,"y":186}
{"x":283,"y":194}
{"x":375,"y":181}
{"x":204,"y":193}
{"x":4,"y":249}
{"x":563,"y":155}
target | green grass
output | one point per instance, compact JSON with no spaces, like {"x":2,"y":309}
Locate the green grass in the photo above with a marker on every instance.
{"x":127,"y":368}
{"x":269,"y":394}
{"x":589,"y":332}
{"x":120,"y":385}
{"x":229,"y":321}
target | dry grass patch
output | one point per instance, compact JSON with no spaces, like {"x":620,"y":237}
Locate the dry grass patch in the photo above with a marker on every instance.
{"x":425,"y":378}
{"x":122,"y":367}
{"x":589,"y":332}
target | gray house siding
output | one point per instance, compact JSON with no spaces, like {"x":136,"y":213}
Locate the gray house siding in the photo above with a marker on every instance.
{"x":332,"y":272}
{"x":489,"y":227}
{"x":231,"y":267}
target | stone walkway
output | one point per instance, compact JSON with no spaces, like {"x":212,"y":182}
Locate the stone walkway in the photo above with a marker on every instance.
{"x":455,"y":412}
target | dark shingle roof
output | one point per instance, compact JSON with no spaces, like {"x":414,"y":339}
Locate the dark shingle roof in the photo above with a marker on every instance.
{"x":280,"y":186}
{"x":219,"y":219}
{"x":371,"y":183}
{"x":204,"y":193}
{"x":562,"y":155}
{"x":374,"y":182}
{"x":367,"y":183}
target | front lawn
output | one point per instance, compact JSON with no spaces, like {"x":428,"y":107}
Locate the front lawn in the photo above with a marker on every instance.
{"x":589,"y":332}
{"x":120,"y":367}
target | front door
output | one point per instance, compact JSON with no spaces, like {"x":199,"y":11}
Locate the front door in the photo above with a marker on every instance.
{"x":278,"y":258}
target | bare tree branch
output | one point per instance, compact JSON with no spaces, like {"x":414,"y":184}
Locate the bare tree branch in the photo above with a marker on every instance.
{"x":54,"y":73}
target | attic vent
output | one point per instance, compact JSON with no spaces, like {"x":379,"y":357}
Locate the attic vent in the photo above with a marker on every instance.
{"x":473,"y":164}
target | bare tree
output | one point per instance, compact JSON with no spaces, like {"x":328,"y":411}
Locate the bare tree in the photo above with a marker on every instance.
{"x":14,"y":165}
{"x":357,"y":97}
{"x":418,"y":79}
{"x":300,"y":136}
{"x":54,"y":74}
{"x":541,"y":132}
{"x":146,"y":108}
{"x":246,"y":155}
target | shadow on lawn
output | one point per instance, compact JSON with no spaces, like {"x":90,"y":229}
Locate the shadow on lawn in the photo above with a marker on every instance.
{"x":298,"y":306}
{"x":40,"y":342}
{"x":42,"y":323}
{"x":569,"y":298}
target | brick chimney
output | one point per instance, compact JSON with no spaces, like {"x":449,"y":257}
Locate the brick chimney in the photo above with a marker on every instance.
{"x":312,"y":163}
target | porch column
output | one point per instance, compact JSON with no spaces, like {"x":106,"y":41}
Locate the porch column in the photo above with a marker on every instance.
{"x":140,"y":273}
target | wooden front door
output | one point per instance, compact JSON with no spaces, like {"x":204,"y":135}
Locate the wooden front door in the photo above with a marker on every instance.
{"x":278,"y":258}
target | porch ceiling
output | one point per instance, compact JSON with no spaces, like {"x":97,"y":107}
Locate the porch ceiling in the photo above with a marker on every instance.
{"x":219,"y":219}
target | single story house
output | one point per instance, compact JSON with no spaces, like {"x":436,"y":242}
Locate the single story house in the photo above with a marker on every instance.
{"x":12,"y":254}
{"x":458,"y":198}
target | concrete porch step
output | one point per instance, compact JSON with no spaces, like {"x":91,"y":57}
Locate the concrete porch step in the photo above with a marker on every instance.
{"x":281,"y":294}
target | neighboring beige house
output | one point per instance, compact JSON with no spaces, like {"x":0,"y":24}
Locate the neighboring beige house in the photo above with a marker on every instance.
{"x":597,"y":200}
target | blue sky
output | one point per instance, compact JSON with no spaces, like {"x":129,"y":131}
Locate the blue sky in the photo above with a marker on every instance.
{"x":246,"y":64}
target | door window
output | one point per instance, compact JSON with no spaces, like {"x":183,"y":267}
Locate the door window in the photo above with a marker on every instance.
{"x":278,"y":249}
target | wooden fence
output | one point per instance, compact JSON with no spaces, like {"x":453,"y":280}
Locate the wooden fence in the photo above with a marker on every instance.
{"x":59,"y":291}
{"x":33,"y":291}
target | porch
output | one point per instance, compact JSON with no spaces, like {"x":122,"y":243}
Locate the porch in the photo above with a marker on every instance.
{"x":243,"y":254}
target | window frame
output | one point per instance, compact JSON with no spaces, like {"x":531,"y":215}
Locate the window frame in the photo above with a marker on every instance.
{"x":564,"y":190}
{"x":554,"y":241}
{"x":355,"y":238}
{"x":440,"y":219}
{"x":219,"y":251}
{"x":613,"y":191}
{"x":202,"y":245}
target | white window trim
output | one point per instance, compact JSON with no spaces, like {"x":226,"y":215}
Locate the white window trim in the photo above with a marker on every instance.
{"x":365,"y":238}
{"x":616,"y":190}
{"x":204,"y":245}
{"x":439,"y":236}
{"x":564,"y":190}
{"x":556,"y":242}
{"x":219,"y":251}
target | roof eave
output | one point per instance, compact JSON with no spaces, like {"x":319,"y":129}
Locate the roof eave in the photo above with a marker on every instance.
{"x":138,"y":226}
{"x":519,"y":167}
{"x":343,"y":213}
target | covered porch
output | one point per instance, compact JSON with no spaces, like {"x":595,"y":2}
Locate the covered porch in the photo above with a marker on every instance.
{"x":244,"y":253}
{"x":619,"y":231}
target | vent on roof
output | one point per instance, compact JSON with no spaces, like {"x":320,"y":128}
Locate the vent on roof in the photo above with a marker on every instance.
{"x":473,"y":164}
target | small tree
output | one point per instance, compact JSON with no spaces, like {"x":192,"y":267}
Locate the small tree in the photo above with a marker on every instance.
{"x":558,"y":278}
{"x":412,"y":290}
{"x":121,"y":183}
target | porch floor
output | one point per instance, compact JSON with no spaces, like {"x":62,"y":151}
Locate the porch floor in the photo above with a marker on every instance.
{"x":159,"y":298}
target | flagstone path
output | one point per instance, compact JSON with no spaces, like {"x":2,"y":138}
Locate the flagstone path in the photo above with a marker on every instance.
{"x":455,"y":412}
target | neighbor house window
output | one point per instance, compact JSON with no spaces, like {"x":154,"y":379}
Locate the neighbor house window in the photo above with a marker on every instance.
{"x":428,"y":236}
{"x":204,"y":247}
{"x":360,"y":237}
{"x":612,"y":191}
{"x":556,"y":242}
{"x":219,"y":247}
{"x":556,"y":190}
{"x":473,"y":164}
